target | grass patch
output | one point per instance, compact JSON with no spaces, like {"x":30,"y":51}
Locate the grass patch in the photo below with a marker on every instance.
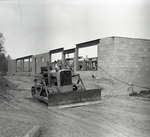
{"x":5,"y":86}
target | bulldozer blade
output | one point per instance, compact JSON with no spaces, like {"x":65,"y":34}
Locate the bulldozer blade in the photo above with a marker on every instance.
{"x":74,"y":97}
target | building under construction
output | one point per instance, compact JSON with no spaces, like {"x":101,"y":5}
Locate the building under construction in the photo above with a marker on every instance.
{"x":118,"y":59}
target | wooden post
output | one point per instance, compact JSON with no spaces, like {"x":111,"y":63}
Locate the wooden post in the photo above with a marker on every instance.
{"x":29,"y":65}
{"x":16,"y":66}
{"x":76,"y":64}
{"x":63,"y":60}
{"x":22,"y":65}
{"x":48,"y":64}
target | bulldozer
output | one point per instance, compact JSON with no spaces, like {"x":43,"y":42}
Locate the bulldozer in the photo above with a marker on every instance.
{"x":62,"y":87}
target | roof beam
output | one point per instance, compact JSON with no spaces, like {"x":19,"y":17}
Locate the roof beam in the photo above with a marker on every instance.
{"x":68,"y":51}
{"x":26,"y":57}
{"x":88,"y":43}
{"x":56,"y":50}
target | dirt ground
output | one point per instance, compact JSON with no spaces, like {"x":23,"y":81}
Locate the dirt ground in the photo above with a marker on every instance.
{"x":114,"y":116}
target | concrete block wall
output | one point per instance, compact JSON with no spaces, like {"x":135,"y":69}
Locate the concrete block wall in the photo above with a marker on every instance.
{"x":133,"y":60}
{"x":105,"y":55}
{"x":126,"y":59}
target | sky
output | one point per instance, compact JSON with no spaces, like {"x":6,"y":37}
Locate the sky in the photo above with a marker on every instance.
{"x":36,"y":26}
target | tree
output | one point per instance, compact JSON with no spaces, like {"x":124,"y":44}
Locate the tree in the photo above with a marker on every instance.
{"x":3,"y":59}
{"x":2,"y":40}
{"x":3,"y":63}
